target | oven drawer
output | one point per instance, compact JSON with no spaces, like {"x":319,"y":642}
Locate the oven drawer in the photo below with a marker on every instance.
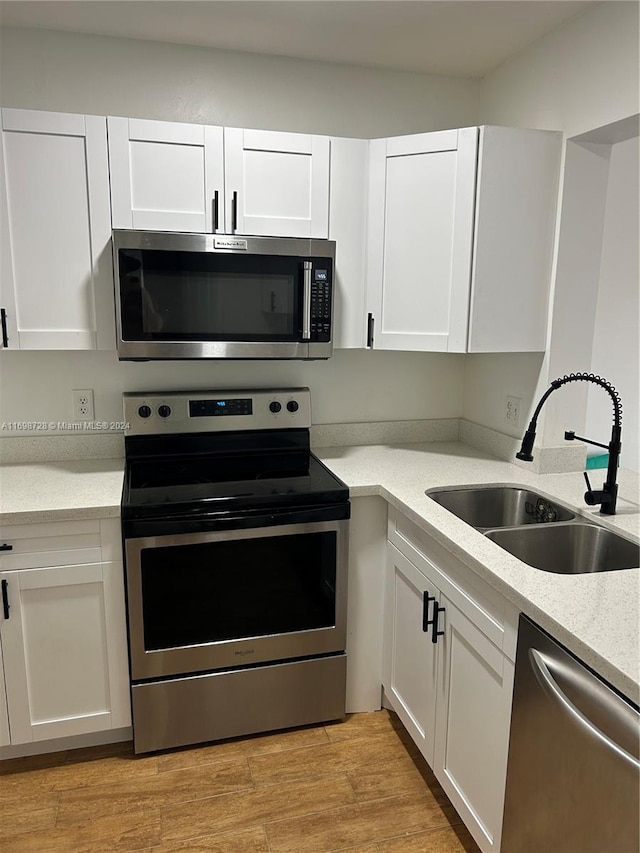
{"x":220,"y":705}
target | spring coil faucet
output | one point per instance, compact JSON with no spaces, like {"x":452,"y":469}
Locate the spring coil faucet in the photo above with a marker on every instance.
{"x":607,"y":496}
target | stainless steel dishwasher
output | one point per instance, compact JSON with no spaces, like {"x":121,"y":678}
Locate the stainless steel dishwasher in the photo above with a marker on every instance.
{"x":573,"y":769}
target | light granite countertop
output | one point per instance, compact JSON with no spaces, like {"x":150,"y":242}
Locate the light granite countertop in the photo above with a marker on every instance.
{"x":62,"y":490}
{"x":597,"y":616}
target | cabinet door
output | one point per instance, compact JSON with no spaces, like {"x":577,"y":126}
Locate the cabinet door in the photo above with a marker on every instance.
{"x":410,"y":660}
{"x":277,"y":184}
{"x":472,"y":724}
{"x":166,"y":176}
{"x":4,"y":719}
{"x":421,"y":204}
{"x":57,"y":277}
{"x":63,"y":646}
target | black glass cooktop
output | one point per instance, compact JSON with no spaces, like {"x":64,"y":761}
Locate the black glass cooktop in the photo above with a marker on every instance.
{"x":228,"y":478}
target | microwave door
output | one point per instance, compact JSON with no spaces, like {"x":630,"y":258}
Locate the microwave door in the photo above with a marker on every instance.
{"x":178,"y":298}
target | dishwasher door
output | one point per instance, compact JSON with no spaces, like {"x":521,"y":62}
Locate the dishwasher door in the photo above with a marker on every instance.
{"x":573,"y":768}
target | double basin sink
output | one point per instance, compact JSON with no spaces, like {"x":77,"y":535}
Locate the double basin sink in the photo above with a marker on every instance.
{"x":540,"y":532}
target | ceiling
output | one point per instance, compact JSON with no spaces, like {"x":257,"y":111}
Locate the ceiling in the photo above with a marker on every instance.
{"x":444,"y":37}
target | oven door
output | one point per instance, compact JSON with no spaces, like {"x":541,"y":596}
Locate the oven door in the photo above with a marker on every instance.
{"x":221,"y":599}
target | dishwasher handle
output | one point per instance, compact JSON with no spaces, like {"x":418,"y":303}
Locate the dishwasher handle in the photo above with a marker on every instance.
{"x":552,"y":689}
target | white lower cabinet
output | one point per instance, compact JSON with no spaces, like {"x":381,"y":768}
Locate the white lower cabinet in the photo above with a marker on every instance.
{"x":473,"y":703}
{"x":63,"y":632}
{"x":410,"y":658}
{"x":449,"y":647}
{"x":5,"y":739}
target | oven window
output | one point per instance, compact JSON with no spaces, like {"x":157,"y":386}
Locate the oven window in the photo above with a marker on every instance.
{"x":228,"y":590}
{"x":202,"y":296}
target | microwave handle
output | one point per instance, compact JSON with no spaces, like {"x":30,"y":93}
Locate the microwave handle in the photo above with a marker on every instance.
{"x":306,"y":302}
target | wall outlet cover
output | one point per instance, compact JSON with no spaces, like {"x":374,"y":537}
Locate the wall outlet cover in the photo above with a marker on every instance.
{"x":512,"y":410}
{"x":83,"y":405}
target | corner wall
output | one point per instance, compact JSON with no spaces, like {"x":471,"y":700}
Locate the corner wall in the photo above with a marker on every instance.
{"x":580,"y":77}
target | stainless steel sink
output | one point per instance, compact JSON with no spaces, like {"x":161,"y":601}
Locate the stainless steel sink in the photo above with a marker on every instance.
{"x":486,"y":507}
{"x":572,"y":548}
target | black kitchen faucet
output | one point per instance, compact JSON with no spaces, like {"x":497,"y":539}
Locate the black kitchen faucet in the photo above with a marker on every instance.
{"x":607,"y":496}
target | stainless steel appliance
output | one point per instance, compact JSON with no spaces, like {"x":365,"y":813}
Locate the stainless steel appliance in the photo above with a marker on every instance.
{"x":187,"y":296}
{"x":236,"y":547}
{"x":573,"y":768}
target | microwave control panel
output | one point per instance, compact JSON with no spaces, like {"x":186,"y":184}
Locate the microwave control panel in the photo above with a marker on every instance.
{"x":321,"y":304}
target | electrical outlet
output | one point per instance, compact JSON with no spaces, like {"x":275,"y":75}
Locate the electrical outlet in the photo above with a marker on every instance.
{"x":512,"y":410}
{"x":83,"y":405}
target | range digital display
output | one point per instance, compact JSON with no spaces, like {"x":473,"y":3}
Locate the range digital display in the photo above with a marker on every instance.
{"x":220,"y":408}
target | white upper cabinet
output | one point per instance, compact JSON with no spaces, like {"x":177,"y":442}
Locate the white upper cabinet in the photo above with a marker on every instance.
{"x":277,"y":184}
{"x":421,"y":198}
{"x":167,"y":176}
{"x":460,"y":239}
{"x":56,"y":278}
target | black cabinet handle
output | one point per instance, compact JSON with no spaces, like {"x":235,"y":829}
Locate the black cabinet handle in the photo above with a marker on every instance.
{"x":370,"y":322}
{"x":3,"y":320}
{"x":5,"y":598}
{"x":215,"y":210}
{"x":234,"y":211}
{"x":426,"y":598}
{"x":437,"y":610}
{"x":5,"y":547}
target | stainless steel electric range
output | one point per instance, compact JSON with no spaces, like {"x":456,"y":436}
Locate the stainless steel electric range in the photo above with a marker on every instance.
{"x":236,"y":546}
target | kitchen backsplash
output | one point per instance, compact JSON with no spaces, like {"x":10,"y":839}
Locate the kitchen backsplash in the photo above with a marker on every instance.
{"x":17,"y":450}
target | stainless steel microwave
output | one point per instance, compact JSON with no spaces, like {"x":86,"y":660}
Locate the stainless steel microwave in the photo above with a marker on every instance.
{"x":191,"y":296}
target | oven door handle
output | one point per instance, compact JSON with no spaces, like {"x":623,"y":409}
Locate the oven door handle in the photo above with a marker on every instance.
{"x":136,"y":529}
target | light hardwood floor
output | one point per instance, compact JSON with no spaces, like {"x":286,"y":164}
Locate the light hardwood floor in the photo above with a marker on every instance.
{"x":358,"y":786}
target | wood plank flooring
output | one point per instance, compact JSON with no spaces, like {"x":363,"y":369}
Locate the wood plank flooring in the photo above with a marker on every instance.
{"x":358,"y":786}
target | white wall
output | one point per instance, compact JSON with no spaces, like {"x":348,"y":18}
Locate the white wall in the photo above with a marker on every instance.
{"x":352,"y":387}
{"x":616,"y":354}
{"x":583,"y":75}
{"x":110,"y":76}
{"x":584,"y":193}
{"x":580,"y":77}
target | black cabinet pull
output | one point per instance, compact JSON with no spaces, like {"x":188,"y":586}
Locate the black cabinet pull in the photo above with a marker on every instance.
{"x":426,"y":598}
{"x":234,"y":211}
{"x":5,"y":598}
{"x":437,"y":610}
{"x":3,"y":320}
{"x":370,"y":322}
{"x":5,"y":547}
{"x":215,"y":210}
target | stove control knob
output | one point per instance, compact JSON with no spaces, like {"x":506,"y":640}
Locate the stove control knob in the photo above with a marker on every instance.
{"x":292,"y":406}
{"x":275,"y":407}
{"x":144,"y":411}
{"x":164,"y":411}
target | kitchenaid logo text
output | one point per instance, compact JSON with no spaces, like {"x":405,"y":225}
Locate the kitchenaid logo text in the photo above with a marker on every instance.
{"x":243,"y":653}
{"x":228,"y":243}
